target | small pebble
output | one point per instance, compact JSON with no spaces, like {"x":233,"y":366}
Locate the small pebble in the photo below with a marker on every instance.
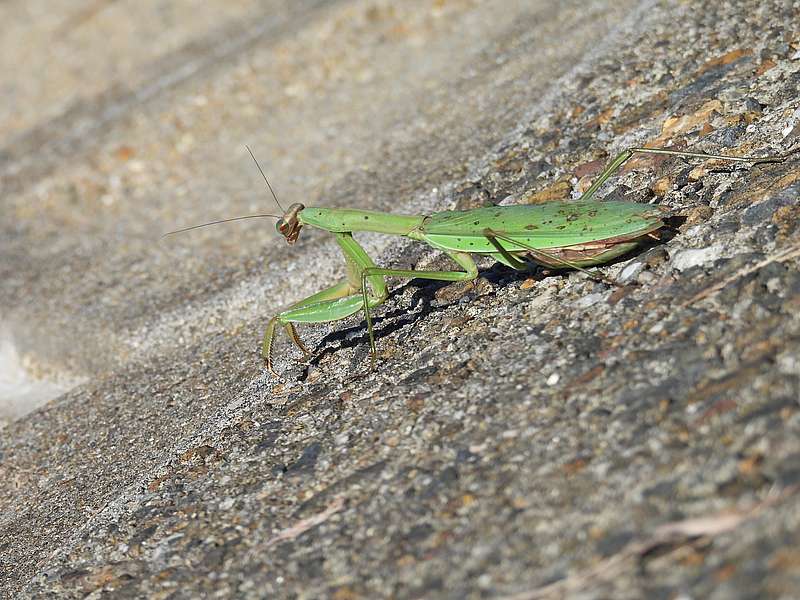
{"x":691,"y":257}
{"x":590,"y":300}
{"x":646,"y":277}
{"x":630,"y":271}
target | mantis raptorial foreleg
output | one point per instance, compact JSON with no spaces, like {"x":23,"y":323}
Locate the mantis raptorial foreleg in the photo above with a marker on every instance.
{"x":335,"y":292}
{"x":364,"y":288}
{"x":333,"y":303}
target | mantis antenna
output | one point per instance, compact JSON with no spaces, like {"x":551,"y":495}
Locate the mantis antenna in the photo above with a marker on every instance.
{"x":218,"y":222}
{"x":236,"y":218}
{"x":265,"y":177}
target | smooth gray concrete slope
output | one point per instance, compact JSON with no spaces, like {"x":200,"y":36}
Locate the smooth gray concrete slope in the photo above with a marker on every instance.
{"x":522,"y":436}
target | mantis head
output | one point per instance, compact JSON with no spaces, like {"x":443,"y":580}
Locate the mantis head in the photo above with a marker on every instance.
{"x":289,"y":225}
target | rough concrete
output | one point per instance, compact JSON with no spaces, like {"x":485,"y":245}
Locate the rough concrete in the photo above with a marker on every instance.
{"x":522,"y":436}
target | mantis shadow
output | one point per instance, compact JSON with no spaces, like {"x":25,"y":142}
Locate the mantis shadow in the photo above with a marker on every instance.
{"x":421,"y":306}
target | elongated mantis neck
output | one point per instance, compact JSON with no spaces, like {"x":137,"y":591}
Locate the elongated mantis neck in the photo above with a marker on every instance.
{"x":340,"y":220}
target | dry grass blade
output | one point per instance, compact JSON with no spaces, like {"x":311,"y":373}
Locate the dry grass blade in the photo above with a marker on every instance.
{"x":781,"y":256}
{"x":676,"y":533}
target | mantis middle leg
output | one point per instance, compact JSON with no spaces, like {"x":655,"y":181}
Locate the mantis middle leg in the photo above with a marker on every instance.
{"x":463,"y":260}
{"x":549,"y":258}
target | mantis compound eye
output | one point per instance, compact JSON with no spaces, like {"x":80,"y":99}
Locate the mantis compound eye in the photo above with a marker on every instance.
{"x":280,"y":225}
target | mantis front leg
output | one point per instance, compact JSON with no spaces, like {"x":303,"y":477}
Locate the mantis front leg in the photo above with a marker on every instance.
{"x":332,"y":304}
{"x":364,"y":288}
{"x":294,"y":313}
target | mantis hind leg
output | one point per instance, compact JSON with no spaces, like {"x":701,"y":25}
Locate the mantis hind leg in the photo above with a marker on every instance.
{"x":552,"y":259}
{"x":616,"y":164}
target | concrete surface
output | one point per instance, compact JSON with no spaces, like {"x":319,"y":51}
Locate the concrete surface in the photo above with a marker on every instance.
{"x":523,"y":436}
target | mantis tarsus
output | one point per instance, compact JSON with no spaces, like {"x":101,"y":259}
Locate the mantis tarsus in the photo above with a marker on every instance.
{"x":573,"y":235}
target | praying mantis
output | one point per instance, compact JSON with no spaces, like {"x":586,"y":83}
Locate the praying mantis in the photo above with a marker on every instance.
{"x":558,"y":235}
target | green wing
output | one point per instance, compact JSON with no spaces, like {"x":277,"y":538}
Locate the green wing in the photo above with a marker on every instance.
{"x":549,"y":225}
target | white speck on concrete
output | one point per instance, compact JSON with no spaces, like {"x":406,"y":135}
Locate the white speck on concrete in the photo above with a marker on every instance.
{"x":590,"y":300}
{"x":791,"y":122}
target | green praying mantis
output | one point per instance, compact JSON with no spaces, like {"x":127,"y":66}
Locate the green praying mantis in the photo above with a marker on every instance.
{"x":559,"y":235}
